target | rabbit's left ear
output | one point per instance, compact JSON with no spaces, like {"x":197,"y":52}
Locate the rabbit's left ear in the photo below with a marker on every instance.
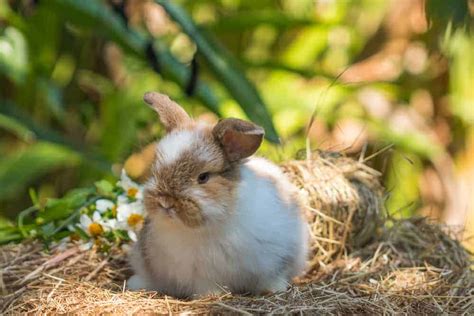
{"x":239,"y":139}
{"x":172,"y":116}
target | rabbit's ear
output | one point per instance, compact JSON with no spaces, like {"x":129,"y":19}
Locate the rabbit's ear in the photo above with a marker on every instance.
{"x":240,"y":139}
{"x":172,"y":116}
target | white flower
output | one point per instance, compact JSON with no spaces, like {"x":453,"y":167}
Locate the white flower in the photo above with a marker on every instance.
{"x":103,"y":205}
{"x":130,"y":217}
{"x":127,"y":209}
{"x":132,"y":235}
{"x":92,"y":226}
{"x":131,"y":188}
{"x":122,"y":199}
{"x":110,"y":224}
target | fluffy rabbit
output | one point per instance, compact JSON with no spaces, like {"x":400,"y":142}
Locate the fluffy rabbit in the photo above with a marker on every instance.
{"x":217,"y":219}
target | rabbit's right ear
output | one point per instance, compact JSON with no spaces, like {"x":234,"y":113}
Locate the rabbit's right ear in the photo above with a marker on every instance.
{"x":172,"y":116}
{"x":239,"y":139}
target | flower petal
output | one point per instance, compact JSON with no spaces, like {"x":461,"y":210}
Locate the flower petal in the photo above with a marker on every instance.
{"x":123,"y":212}
{"x":132,"y":235}
{"x":125,"y":182}
{"x":85,"y":221}
{"x":109,"y":224}
{"x":122,"y":199}
{"x":96,"y":217}
{"x":137,"y":207}
{"x":103,"y":205}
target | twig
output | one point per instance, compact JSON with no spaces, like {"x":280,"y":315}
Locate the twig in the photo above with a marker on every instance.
{"x":237,"y":310}
{"x":96,"y":270}
{"x":49,"y":264}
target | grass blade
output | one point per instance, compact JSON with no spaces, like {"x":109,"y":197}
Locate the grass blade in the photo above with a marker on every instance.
{"x":225,"y":67}
{"x":94,"y":15}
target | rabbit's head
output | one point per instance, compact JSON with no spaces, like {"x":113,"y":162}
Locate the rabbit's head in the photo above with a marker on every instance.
{"x":197,"y":167}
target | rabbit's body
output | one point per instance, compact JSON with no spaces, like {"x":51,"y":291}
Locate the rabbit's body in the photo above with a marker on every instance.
{"x":260,"y":248}
{"x":217,"y":220}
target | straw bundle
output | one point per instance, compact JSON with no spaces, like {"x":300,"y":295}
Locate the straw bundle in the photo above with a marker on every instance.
{"x":342,"y":199}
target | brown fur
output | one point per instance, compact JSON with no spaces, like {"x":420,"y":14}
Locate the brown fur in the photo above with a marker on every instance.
{"x":171,"y":114}
{"x":239,"y":139}
{"x":171,"y":182}
{"x":143,"y":237}
{"x":223,"y":146}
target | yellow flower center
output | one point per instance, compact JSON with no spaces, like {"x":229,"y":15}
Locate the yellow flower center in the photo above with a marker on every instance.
{"x":132,"y":192}
{"x":135,"y":220}
{"x":114,"y":211}
{"x":95,"y":229}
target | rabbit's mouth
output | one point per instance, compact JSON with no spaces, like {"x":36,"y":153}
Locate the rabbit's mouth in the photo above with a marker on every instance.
{"x":172,"y":208}
{"x":190,"y":213}
{"x":186,"y":211}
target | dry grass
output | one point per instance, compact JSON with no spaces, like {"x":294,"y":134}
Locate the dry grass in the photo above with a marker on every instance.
{"x":358,"y":265}
{"x":342,"y":200}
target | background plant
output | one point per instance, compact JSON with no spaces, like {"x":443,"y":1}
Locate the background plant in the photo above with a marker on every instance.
{"x":377,"y":76}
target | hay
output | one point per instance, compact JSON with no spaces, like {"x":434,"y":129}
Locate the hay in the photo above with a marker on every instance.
{"x":342,"y":200}
{"x":405,"y":266}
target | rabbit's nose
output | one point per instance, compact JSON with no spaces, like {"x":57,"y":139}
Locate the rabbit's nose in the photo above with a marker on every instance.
{"x":166,"y":204}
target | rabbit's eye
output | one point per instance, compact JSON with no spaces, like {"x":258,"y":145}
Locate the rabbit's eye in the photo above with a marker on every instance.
{"x":203,"y":177}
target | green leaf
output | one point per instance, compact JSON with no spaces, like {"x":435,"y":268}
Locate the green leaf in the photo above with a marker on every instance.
{"x":53,"y":97}
{"x":24,"y":121}
{"x":250,"y":19}
{"x":277,"y":65}
{"x":16,"y":127}
{"x":61,"y":208}
{"x":72,"y":218}
{"x":48,"y":229}
{"x":225,"y":67}
{"x":307,"y":47}
{"x":43,"y":32}
{"x":34,"y":197}
{"x":460,"y":49}
{"x":9,"y":234}
{"x":22,"y":228}
{"x":441,"y":13}
{"x":417,"y":143}
{"x":118,"y":118}
{"x":104,"y":187}
{"x":93,"y":15}
{"x":11,"y":16}
{"x":18,"y":170}
{"x":60,"y":235}
{"x":13,"y":54}
{"x":5,"y":223}
{"x":173,"y":70}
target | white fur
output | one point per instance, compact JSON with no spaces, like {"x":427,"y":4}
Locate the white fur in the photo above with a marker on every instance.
{"x":258,"y":248}
{"x":174,"y":144}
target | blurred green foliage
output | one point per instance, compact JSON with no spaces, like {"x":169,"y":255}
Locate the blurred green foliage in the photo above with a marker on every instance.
{"x":73,"y":73}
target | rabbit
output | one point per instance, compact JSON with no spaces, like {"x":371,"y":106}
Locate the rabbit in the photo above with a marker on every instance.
{"x":218,"y":220}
